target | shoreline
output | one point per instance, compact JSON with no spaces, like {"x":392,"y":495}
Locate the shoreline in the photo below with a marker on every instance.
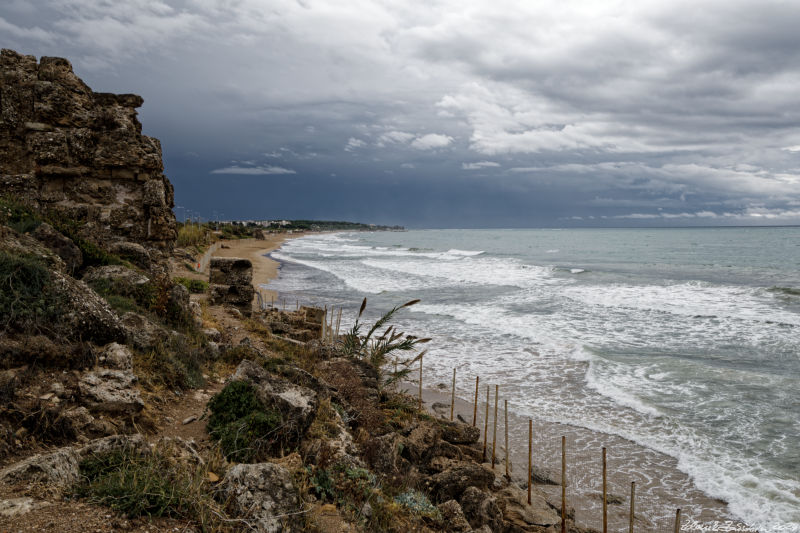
{"x":265,"y":269}
{"x":656,"y":474}
{"x":661,"y":487}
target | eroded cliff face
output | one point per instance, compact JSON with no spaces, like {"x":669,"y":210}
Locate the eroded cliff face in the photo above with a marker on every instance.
{"x":81,"y":155}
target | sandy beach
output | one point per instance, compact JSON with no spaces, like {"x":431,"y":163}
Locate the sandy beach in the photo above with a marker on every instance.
{"x":264,"y":268}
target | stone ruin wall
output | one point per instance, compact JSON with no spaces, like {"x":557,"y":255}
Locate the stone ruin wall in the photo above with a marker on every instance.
{"x":82,"y":155}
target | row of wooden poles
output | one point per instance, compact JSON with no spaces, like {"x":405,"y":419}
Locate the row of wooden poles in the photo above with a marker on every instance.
{"x":530,"y":452}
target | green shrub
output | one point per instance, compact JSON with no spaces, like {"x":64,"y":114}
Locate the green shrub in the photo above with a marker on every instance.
{"x":17,"y":215}
{"x":245,"y":428}
{"x":190,"y":235}
{"x":418,"y":503}
{"x":28,"y":299}
{"x":174,"y":364}
{"x":195,"y":286}
{"x":150,"y":484}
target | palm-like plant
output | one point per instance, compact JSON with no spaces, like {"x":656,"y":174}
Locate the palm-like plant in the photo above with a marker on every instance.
{"x":377,"y":349}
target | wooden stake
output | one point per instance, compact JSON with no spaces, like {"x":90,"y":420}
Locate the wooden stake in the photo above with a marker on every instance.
{"x":605,"y":495}
{"x":453,"y":396}
{"x":272,"y":303}
{"x":475,"y":406}
{"x":322,"y":326}
{"x":297,"y":306}
{"x":563,"y":484}
{"x":530,"y":458}
{"x":420,"y":383}
{"x":633,"y":494}
{"x":494,"y":436}
{"x":338,"y":321}
{"x":284,"y":305}
{"x":486,"y":424}
{"x":678,"y":521}
{"x":505,"y":404}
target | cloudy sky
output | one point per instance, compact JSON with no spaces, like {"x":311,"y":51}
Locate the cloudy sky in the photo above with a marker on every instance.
{"x":452,"y":113}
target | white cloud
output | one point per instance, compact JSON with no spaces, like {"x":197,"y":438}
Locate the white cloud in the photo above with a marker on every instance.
{"x":395,"y":137}
{"x":36,"y":32}
{"x":432,"y":141}
{"x":793,"y":149}
{"x":353,"y":143}
{"x":254,"y":171}
{"x":408,"y":165}
{"x":479,"y":165}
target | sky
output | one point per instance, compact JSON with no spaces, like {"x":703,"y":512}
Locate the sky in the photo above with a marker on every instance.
{"x":452,"y":113}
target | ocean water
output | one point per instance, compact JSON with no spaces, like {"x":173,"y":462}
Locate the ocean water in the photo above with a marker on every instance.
{"x":685,"y":341}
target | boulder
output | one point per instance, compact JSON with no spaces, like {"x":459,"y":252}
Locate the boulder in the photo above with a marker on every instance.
{"x":58,"y":469}
{"x":451,"y":483}
{"x":62,"y":245}
{"x":264,"y":495}
{"x":116,"y":356}
{"x":460,"y":433}
{"x":112,"y":391}
{"x":86,"y":315}
{"x":115,"y":443}
{"x":481,"y":509}
{"x":122,"y":280}
{"x":297,"y":404}
{"x":179,"y":302}
{"x":453,"y":516}
{"x":141,"y":333}
{"x":516,"y":510}
{"x":133,"y":252}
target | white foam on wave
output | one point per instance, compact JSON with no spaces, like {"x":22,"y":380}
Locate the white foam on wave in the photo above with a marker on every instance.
{"x":694,"y":299}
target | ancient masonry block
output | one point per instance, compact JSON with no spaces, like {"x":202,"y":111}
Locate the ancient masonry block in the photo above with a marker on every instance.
{"x":231,"y":283}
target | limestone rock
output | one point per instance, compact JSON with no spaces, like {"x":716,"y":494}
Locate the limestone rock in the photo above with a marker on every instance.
{"x":19,"y":506}
{"x":297,"y":404}
{"x":112,"y":391}
{"x":460,"y":433}
{"x":114,"y":443}
{"x":80,"y":154}
{"x":516,"y":508}
{"x":263,"y":493}
{"x":141,"y":332}
{"x":453,"y":516}
{"x":481,"y":509}
{"x":60,"y":244}
{"x":124,"y":280}
{"x":133,"y":252}
{"x":451,"y":483}
{"x":116,"y":356}
{"x":58,"y":469}
{"x":87,"y":316}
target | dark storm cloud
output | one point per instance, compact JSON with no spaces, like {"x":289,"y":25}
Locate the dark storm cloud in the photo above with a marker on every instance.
{"x":450,"y":113}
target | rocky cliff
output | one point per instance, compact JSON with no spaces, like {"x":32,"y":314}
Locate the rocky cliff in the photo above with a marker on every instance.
{"x":81,"y":155}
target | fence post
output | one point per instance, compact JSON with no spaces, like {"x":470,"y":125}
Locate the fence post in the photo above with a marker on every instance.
{"x":453,"y":396}
{"x":563,"y":484}
{"x":475,"y":407}
{"x":633,"y":495}
{"x":486,"y":423}
{"x":494,"y":435}
{"x":420,"y":383}
{"x":530,"y":458}
{"x":605,"y":497}
{"x":678,"y":521}
{"x":505,"y":404}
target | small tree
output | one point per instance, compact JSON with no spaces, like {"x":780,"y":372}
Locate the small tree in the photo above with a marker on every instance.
{"x":376,"y":350}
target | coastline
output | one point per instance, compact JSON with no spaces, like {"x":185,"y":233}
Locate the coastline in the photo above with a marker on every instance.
{"x":265,"y":269}
{"x":655,"y":474}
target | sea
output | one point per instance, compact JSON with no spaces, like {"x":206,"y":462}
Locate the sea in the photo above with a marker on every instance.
{"x":685,"y":342}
